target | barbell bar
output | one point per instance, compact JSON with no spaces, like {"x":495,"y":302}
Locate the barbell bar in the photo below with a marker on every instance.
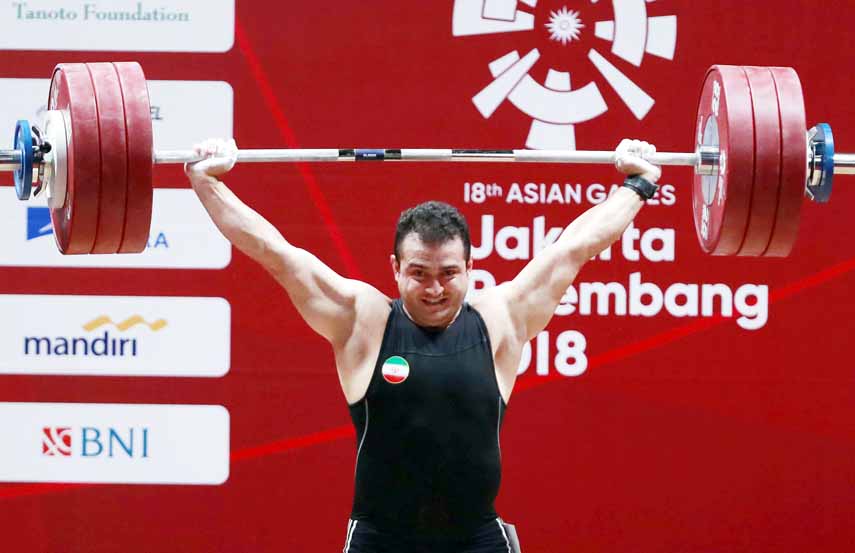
{"x":10,"y":160}
{"x":754,"y":161}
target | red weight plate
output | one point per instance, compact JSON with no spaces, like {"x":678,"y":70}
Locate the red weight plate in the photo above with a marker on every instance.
{"x":793,"y":161}
{"x":75,"y":223}
{"x":721,"y":202}
{"x":111,"y":125}
{"x":767,"y":161}
{"x":140,"y":152}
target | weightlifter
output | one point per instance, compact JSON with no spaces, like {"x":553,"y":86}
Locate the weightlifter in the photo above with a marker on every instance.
{"x":427,"y":376}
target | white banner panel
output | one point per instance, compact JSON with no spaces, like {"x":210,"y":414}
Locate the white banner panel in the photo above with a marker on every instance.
{"x":182,"y":236}
{"x":118,"y":25}
{"x":182,"y":112}
{"x":114,"y":335}
{"x":114,"y":443}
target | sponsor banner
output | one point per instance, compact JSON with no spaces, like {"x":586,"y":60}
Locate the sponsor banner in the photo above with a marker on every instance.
{"x":114,"y":335}
{"x":182,"y":236}
{"x":114,"y":443}
{"x":118,"y":25}
{"x":182,"y":112}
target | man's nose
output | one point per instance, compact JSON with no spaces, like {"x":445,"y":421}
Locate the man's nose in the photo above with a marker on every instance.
{"x":435,"y":287}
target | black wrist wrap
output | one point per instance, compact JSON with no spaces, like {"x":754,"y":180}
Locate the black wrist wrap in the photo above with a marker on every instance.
{"x":642,"y":186}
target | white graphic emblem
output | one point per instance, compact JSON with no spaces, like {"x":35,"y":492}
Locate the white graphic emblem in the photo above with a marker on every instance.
{"x":564,"y":25}
{"x":554,"y":106}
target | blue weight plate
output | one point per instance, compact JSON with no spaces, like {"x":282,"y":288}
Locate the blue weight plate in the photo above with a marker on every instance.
{"x":24,"y":173}
{"x":824,"y":147}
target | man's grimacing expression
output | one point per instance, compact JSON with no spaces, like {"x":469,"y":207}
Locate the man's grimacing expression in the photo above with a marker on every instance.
{"x":432,"y":279}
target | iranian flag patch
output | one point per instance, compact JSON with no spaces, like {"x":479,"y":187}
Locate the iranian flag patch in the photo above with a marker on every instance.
{"x":396,"y":369}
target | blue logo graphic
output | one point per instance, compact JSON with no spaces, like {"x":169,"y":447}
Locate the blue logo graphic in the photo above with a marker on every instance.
{"x":38,"y":222}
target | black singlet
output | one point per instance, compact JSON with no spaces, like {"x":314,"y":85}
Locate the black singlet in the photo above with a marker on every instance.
{"x":427,"y":431}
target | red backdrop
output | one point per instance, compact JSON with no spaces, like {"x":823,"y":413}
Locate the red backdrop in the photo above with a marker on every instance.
{"x":682,"y":434}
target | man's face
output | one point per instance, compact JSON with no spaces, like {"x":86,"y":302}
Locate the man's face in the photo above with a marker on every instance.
{"x":432,"y":279}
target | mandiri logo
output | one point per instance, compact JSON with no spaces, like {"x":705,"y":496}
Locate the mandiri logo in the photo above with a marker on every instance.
{"x":102,"y":344}
{"x":554,"y":106}
{"x":114,"y":335}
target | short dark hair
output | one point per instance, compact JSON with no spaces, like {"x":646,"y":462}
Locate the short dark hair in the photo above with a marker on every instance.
{"x":434,"y":223}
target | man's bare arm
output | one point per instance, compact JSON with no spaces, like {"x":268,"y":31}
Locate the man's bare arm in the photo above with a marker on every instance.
{"x":327,"y":301}
{"x":537,"y":290}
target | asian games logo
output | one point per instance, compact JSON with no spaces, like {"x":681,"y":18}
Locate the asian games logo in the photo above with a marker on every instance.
{"x":555,"y":106}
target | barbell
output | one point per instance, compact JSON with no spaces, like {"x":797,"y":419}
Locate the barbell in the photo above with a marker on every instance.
{"x":753,"y":160}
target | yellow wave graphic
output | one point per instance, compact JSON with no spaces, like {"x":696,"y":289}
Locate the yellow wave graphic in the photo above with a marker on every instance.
{"x":123,"y":325}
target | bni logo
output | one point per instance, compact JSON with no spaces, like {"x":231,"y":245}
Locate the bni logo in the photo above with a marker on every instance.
{"x":56,"y":441}
{"x":102,"y":344}
{"x":555,"y":107}
{"x":91,"y":441}
{"x":39,"y":224}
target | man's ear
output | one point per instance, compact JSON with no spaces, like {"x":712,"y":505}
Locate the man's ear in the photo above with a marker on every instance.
{"x":469,"y":265}
{"x":396,"y":267}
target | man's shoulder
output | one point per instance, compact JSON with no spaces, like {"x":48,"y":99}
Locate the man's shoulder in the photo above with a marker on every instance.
{"x":356,"y":354}
{"x":492,"y":304}
{"x":369,"y":295}
{"x":373,"y":304}
{"x":370,"y":310}
{"x":489,"y":300}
